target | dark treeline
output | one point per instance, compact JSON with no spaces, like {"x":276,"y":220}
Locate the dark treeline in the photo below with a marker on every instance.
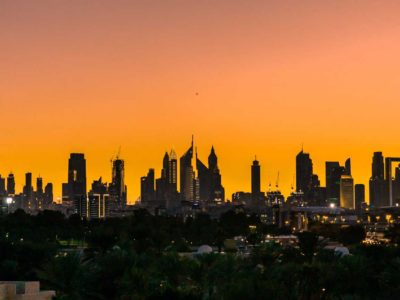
{"x":137,"y":257}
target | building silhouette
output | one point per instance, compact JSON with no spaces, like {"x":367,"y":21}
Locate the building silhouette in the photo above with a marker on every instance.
{"x":117,"y":187}
{"x":98,"y":204}
{"x":211,"y":189}
{"x":347,"y":191}
{"x":147,"y":192}
{"x":48,"y":194}
{"x":75,"y":188}
{"x":359,"y":196}
{"x":255,"y":182}
{"x":304,"y":172}
{"x":10,"y":185}
{"x":173,"y":171}
{"x":39,"y":193}
{"x":334,"y":172}
{"x":378,"y":187}
{"x":188,"y":184}
{"x":204,"y":180}
{"x":3,"y":191}
{"x":28,"y":202}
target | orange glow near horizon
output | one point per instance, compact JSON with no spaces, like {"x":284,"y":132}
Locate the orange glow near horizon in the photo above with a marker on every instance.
{"x":249,"y":77}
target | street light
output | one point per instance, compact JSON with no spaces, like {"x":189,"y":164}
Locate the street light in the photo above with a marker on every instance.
{"x":9,"y":200}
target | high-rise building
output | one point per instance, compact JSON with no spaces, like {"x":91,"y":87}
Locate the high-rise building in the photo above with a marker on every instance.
{"x":217,"y":191}
{"x":173,"y":170}
{"x":187,"y":174}
{"x":359,"y":196}
{"x":98,"y":205}
{"x":3,"y":191}
{"x":203,"y":174}
{"x":39,"y":185}
{"x":347,"y":191}
{"x":28,"y":192}
{"x":166,"y":186}
{"x":76,"y":186}
{"x":255,"y":181}
{"x":48,"y":194}
{"x":304,"y":172}
{"x":117,"y":188}
{"x":378,"y":186}
{"x":334,"y":171}
{"x":378,"y":166}
{"x":10,"y":185}
{"x":39,"y":196}
{"x":147,"y":192}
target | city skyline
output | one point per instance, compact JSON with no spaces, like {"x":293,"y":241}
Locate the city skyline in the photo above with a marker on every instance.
{"x":259,"y":78}
{"x":266,"y":184}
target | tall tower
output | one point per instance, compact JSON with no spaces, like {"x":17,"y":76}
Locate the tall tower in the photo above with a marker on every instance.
{"x":147,"y":191}
{"x":77,"y":174}
{"x":48,"y":194}
{"x":173,"y":170}
{"x":359,"y":196}
{"x":216,"y":188}
{"x":347,"y":192}
{"x":187,"y":183}
{"x":378,"y":167}
{"x":117,"y":186}
{"x":39,"y":185}
{"x":28,"y":191}
{"x":347,"y":167}
{"x":10,"y":185}
{"x":255,"y":180}
{"x":378,"y":186}
{"x":3,"y":191}
{"x":304,"y":172}
{"x":333,"y":173}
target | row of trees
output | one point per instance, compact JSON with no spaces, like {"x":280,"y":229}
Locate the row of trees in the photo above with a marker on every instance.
{"x":138,"y":258}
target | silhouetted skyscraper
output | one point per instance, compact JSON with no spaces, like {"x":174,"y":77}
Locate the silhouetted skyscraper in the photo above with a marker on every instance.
{"x":48,"y":194}
{"x":378,"y":187}
{"x":3,"y":190}
{"x":173,"y":170}
{"x":204,"y":180}
{"x":347,"y":166}
{"x":347,"y":191}
{"x":378,"y":167}
{"x":118,"y":190}
{"x":98,"y":201}
{"x":216,"y":188}
{"x":39,"y":196}
{"x":76,"y":186}
{"x":39,"y":185}
{"x":147,"y":192}
{"x":11,"y":184}
{"x":334,"y":171}
{"x":188,"y":188}
{"x":255,"y":181}
{"x":304,"y":172}
{"x":28,"y":192}
{"x":359,"y":196}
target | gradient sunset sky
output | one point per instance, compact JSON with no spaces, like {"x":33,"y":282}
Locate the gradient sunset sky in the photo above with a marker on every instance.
{"x":249,"y":77}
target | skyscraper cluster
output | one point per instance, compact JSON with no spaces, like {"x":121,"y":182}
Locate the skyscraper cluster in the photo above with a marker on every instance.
{"x":198,"y":183}
{"x":384,"y":188}
{"x":31,"y":199}
{"x":102,"y":198}
{"x":339,"y":190}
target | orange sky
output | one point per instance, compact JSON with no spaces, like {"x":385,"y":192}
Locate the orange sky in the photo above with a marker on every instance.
{"x":92,"y":75}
